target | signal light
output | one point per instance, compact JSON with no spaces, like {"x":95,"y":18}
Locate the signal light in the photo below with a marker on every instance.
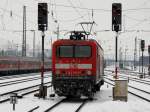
{"x":142,"y":45}
{"x":149,"y":49}
{"x":42,"y":16}
{"x":116,"y":16}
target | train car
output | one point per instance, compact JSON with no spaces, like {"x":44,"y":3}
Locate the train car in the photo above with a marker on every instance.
{"x":17,"y":65}
{"x":77,"y":67}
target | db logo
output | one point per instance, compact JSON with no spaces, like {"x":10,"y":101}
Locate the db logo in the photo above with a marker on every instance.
{"x":73,"y":66}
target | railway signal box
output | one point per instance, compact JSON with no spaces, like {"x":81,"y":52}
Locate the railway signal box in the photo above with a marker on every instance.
{"x":42,"y":16}
{"x":149,"y":49}
{"x":142,"y":45}
{"x":116,"y":16}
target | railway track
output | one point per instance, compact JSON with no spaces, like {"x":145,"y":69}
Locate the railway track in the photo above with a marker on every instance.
{"x":134,"y":91}
{"x":22,"y":92}
{"x":83,"y":102}
{"x":20,"y":76}
{"x":35,"y":108}
{"x":147,"y":82}
{"x":7,"y":83}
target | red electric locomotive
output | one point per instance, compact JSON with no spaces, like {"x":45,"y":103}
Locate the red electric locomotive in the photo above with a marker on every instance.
{"x":77,"y":66}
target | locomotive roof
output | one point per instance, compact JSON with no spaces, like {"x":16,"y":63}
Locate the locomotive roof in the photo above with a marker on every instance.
{"x":68,"y":40}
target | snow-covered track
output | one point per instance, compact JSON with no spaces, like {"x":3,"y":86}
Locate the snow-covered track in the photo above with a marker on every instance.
{"x":22,"y":92}
{"x":147,"y":82}
{"x":136,"y":80}
{"x":83,"y":102}
{"x":18,"y":76}
{"x":55,"y":105}
{"x":7,"y":83}
{"x":35,"y":108}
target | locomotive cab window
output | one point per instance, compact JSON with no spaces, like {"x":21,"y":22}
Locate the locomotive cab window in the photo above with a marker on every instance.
{"x":65,"y":51}
{"x":82,"y":51}
{"x":73,"y":51}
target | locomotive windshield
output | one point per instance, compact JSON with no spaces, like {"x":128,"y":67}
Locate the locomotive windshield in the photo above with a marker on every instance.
{"x":82,"y":51}
{"x":65,"y":51}
{"x":74,"y":51}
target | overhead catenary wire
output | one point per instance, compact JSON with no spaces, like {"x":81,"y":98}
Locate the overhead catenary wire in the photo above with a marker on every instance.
{"x":75,"y":8}
{"x":135,"y":19}
{"x":19,"y":16}
{"x":98,"y":9}
{"x":137,"y":24}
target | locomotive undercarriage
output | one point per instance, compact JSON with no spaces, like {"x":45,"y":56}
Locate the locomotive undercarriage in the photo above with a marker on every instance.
{"x":75,"y":86}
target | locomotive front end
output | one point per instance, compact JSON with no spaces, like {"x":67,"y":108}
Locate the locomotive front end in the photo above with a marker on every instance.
{"x":73,"y":68}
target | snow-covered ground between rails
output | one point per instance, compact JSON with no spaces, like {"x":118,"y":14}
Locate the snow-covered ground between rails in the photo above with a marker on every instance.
{"x":102,"y":103}
{"x":21,"y":85}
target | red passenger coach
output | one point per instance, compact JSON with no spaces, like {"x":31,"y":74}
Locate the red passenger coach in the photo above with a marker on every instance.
{"x":77,"y":67}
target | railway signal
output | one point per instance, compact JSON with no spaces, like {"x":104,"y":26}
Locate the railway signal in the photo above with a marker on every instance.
{"x":116,"y":26}
{"x":42,"y":26}
{"x":42,"y":16}
{"x":116,"y":16}
{"x":13,"y":99}
{"x":142,"y":45}
{"x":149,"y":59}
{"x":149,"y":49}
{"x":142,"y":49}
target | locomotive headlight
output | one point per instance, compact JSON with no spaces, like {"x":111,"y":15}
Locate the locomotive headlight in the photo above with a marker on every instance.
{"x":88,"y":72}
{"x":57,"y":71}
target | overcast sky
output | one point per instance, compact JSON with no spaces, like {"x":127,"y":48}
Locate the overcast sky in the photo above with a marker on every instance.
{"x":68,"y":13}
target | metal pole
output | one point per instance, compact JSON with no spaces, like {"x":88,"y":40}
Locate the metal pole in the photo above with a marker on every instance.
{"x":13,"y":106}
{"x":139,"y":58}
{"x":25,"y":50}
{"x":116,"y":60}
{"x":33,"y":43}
{"x":42,"y":65}
{"x":135,"y":53}
{"x":149,"y":65}
{"x":24,"y":32}
{"x":58,"y":32}
{"x":149,"y":58}
{"x":142,"y":62}
{"x":23,"y":35}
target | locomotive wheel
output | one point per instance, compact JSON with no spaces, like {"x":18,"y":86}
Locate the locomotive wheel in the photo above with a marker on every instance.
{"x":102,"y":82}
{"x":91,"y":93}
{"x":97,"y":87}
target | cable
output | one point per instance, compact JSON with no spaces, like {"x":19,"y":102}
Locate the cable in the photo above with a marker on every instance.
{"x":72,"y":20}
{"x":74,"y":8}
{"x":95,"y":9}
{"x":86,"y":10}
{"x":135,"y":19}
{"x":144,"y":3}
{"x":2,"y":16}
{"x":62,"y":5}
{"x":8,"y":11}
{"x":136,"y":9}
{"x":137,"y":24}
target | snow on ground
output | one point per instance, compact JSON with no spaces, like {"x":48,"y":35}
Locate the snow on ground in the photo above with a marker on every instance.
{"x":102,"y":102}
